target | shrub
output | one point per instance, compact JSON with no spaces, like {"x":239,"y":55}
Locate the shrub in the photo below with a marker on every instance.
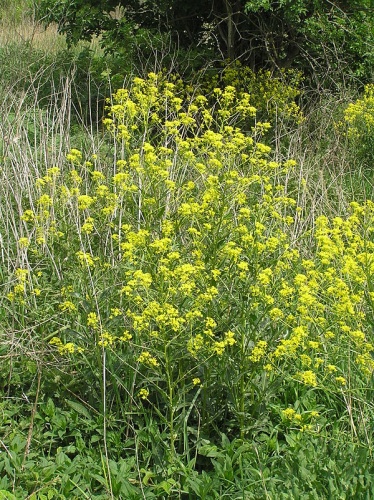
{"x":172,"y":281}
{"x":359,"y":120}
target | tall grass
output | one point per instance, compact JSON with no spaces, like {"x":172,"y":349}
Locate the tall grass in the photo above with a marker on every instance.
{"x":18,"y":24}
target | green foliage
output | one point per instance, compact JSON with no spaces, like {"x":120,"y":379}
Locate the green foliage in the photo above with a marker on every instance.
{"x":302,"y":34}
{"x":67,"y":462}
{"x":306,"y":34}
{"x":79,"y":19}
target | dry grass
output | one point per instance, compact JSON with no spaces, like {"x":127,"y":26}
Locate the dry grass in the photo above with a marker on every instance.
{"x":25,"y":29}
{"x":33,"y":33}
{"x":18,"y":24}
{"x":40,"y":38}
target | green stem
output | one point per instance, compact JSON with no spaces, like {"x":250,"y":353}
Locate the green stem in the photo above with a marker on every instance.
{"x":170,"y":390}
{"x":242,"y":387}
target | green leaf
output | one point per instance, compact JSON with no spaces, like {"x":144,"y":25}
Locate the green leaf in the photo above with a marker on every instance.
{"x":209,"y":450}
{"x":167,"y":485}
{"x":5,"y":495}
{"x":79,"y":408}
{"x":147,"y":476}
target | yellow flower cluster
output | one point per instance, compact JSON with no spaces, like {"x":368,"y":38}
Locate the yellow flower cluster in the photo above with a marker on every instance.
{"x":147,"y":359}
{"x":86,"y":259}
{"x":229,"y":340}
{"x":305,"y":421}
{"x":359,"y":116}
{"x":143,"y":393}
{"x":74,"y":156}
{"x":187,"y":238}
{"x":275,"y":96}
{"x":258,"y":351}
{"x":20,"y":288}
{"x":65,"y":349}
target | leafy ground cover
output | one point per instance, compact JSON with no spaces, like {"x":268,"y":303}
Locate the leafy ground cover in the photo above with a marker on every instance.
{"x":187,"y":288}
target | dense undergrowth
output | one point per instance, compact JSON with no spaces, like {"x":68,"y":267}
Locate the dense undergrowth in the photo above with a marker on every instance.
{"x":187,"y":285}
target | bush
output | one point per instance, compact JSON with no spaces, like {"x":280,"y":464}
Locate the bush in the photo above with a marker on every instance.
{"x":171,"y":280}
{"x":359,"y":121}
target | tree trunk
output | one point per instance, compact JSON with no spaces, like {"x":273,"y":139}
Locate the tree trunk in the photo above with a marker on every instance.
{"x":230,"y":31}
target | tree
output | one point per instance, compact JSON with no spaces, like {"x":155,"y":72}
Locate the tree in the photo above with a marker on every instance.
{"x":314,"y":35}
